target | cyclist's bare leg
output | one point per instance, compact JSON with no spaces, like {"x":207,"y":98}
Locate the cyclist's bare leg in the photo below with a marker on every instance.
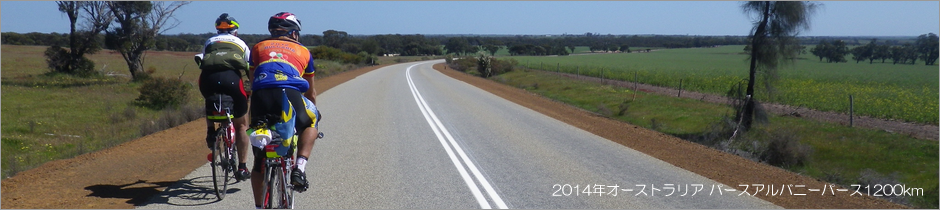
{"x":241,"y":138}
{"x":210,"y":130}
{"x":307,"y":139}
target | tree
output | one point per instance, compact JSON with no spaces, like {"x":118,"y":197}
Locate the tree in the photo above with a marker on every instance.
{"x":83,"y":40}
{"x":491,"y":48}
{"x":471,"y":50}
{"x":927,"y":48}
{"x":140,"y":22}
{"x":837,"y":52}
{"x":370,"y":46}
{"x":870,"y":51}
{"x":457,"y":45}
{"x":910,"y":53}
{"x":897,"y":52}
{"x":820,"y":49}
{"x":772,"y":39}
{"x":859,"y":54}
{"x":883,"y":52}
{"x":334,"y":38}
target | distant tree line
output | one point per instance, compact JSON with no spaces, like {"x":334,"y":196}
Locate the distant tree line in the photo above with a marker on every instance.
{"x":417,"y":44}
{"x":827,"y":49}
{"x":924,"y":48}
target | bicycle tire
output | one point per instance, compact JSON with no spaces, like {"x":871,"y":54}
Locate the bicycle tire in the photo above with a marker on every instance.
{"x":221,"y":168}
{"x":272,"y":190}
{"x":277,"y":192}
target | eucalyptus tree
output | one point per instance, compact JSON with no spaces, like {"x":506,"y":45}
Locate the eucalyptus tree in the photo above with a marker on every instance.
{"x":772,"y":39}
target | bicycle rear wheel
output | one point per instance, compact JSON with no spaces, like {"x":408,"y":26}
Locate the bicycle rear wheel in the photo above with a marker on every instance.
{"x":278,"y":194}
{"x":221,"y":168}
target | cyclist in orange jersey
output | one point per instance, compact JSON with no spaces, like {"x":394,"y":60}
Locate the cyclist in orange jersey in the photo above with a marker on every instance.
{"x":278,"y":65}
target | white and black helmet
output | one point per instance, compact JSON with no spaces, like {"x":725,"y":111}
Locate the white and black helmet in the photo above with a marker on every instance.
{"x":285,"y":21}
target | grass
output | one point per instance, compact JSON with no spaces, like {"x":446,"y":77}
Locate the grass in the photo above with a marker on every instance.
{"x":48,"y":116}
{"x":839,"y":154}
{"x":881,"y":90}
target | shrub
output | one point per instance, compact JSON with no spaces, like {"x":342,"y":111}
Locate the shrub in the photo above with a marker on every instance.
{"x":869,"y":177}
{"x":159,"y":93}
{"x":785,"y":149}
{"x":329,"y":53}
{"x":448,"y":59}
{"x":503,"y":66}
{"x":59,"y":60}
{"x":464,"y":64}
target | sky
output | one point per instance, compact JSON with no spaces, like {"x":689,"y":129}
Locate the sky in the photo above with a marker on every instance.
{"x":709,"y":18}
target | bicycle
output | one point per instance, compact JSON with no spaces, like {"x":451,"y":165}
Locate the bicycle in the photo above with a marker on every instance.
{"x":222,"y":158}
{"x":223,"y":150}
{"x":280,"y":156}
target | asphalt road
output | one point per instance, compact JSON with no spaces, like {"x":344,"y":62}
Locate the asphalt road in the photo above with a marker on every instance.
{"x":407,"y":136}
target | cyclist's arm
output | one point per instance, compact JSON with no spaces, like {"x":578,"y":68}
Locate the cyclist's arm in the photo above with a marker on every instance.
{"x":308,"y":75}
{"x":251,"y":66}
{"x":247,"y":55}
{"x":311,"y":92}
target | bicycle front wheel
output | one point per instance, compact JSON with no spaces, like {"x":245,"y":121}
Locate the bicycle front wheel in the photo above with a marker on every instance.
{"x":221,"y":172}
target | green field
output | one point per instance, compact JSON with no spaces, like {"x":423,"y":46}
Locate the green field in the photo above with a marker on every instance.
{"x":882,"y":90}
{"x":838,"y":154}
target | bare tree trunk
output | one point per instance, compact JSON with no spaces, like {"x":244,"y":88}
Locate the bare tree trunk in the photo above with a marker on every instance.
{"x":757,"y":43}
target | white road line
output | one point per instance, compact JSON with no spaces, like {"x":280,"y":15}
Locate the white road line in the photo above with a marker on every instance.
{"x":439,"y":128}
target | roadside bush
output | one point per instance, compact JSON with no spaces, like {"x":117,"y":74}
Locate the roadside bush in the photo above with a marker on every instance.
{"x":329,"y":53}
{"x":159,"y":93}
{"x":464,"y":64}
{"x":503,"y":66}
{"x":367,"y":58}
{"x":869,"y":177}
{"x":448,"y":59}
{"x":785,"y":149}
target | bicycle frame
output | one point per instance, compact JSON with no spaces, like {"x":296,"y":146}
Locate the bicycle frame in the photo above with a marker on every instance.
{"x":277,"y":178}
{"x":223,"y":159}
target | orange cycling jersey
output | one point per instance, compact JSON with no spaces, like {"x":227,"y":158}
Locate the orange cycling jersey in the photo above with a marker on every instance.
{"x":280,"y":63}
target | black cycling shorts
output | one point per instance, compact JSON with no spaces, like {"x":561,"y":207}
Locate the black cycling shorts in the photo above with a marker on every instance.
{"x":266,"y":103}
{"x":224,"y":82}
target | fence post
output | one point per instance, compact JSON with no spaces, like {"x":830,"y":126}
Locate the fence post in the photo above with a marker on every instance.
{"x":558,"y":67}
{"x":680,"y":89}
{"x":851,"y":111}
{"x":634,"y":86}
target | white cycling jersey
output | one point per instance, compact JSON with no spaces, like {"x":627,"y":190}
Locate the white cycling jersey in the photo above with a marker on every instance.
{"x":225,"y":37}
